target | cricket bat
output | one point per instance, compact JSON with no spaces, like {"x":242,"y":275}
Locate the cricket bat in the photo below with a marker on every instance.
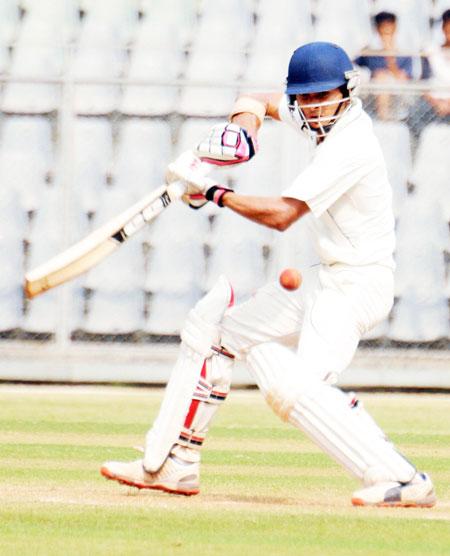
{"x":89,"y":251}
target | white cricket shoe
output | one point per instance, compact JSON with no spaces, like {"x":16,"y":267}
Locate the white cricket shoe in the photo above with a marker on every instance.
{"x":419,"y":493}
{"x":179,"y":474}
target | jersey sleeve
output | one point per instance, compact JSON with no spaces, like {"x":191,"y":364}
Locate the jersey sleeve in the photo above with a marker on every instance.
{"x":333,"y":171}
{"x":285,"y":114}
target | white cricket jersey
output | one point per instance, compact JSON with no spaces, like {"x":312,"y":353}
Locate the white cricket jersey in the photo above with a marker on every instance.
{"x":347,"y":189}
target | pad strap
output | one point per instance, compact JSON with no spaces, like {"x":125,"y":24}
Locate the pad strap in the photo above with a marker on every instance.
{"x":205,"y":402}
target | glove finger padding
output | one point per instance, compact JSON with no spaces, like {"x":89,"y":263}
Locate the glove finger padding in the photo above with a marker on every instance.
{"x":226,"y":144}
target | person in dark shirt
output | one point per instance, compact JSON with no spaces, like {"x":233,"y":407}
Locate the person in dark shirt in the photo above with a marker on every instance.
{"x":384,"y":65}
{"x":434,"y":105}
{"x":439,"y":63}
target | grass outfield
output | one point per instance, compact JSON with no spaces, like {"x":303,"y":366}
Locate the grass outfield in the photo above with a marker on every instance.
{"x":266,"y":490}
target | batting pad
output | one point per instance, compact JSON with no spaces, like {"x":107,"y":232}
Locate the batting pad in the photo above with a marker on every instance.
{"x":323,"y":413}
{"x":199,"y":333}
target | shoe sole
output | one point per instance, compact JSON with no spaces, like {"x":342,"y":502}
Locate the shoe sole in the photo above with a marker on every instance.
{"x":108,"y":475}
{"x":360,"y":502}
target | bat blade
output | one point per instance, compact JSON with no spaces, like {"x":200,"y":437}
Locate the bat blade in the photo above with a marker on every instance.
{"x":88,"y":252}
{"x":61,"y":269}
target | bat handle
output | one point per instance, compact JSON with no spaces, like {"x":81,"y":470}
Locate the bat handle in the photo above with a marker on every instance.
{"x":176,"y":190}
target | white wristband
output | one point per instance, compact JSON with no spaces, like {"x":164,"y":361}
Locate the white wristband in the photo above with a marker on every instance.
{"x":249,"y":105}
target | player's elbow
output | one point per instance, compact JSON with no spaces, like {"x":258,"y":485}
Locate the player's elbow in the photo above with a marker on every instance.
{"x":290,"y":210}
{"x":283,"y":220}
{"x":281,"y":224}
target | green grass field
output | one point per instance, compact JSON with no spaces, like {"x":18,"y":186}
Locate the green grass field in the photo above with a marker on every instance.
{"x":266,"y":490}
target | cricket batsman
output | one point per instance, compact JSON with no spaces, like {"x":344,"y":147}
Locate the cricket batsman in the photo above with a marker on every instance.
{"x":346,"y":189}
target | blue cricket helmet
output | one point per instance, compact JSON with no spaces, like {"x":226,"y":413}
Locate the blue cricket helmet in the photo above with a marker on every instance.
{"x":317,"y":67}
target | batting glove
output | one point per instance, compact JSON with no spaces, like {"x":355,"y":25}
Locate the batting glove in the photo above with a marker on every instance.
{"x":200,"y":189}
{"x":226,"y":144}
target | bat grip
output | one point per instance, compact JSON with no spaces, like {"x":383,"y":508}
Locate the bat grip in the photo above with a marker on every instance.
{"x":176,"y":190}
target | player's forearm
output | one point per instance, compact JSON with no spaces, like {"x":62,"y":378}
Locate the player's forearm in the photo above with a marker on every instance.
{"x":274,"y":212}
{"x":248,"y":121}
{"x":250,"y":110}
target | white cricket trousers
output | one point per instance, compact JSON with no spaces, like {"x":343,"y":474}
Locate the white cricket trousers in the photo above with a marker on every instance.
{"x":325,"y":317}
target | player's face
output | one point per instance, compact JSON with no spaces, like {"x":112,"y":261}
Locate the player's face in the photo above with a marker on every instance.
{"x":446,"y":31}
{"x":320,"y":106}
{"x":387,"y":30}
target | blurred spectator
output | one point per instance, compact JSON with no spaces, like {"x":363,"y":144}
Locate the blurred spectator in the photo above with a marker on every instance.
{"x":384,"y":64}
{"x":435,"y":105}
{"x":439,"y":62}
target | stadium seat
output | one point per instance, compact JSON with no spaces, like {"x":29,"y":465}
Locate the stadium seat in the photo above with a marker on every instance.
{"x":432,"y":164}
{"x":94,"y":135}
{"x":37,"y":55}
{"x":220,"y":20}
{"x":119,"y":15}
{"x":4,"y":58}
{"x":166,"y":14}
{"x":380,"y":331}
{"x":46,"y":237}
{"x":42,"y":316}
{"x":206,"y":101}
{"x":29,"y":134}
{"x":92,"y":159}
{"x":447,"y":286}
{"x":395,"y":143}
{"x":142,"y":154}
{"x":168,"y":311}
{"x":113,"y":313}
{"x":417,"y":321}
{"x":98,"y":57}
{"x":175,"y":267}
{"x":157,"y":58}
{"x":282,"y":30}
{"x":237,"y":250}
{"x":63,"y":15}
{"x":176,"y":260}
{"x":116,"y":304}
{"x":78,"y":219}
{"x":222,"y":68}
{"x":178,"y":223}
{"x":267,"y":69}
{"x":151,"y":67}
{"x":46,"y":240}
{"x":12,"y":230}
{"x":26,"y":156}
{"x":420,"y":256}
{"x":57,"y":312}
{"x":13,"y":221}
{"x":9,"y":21}
{"x":242,"y":262}
{"x":27,"y":175}
{"x":11,"y":297}
{"x":333,"y":21}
